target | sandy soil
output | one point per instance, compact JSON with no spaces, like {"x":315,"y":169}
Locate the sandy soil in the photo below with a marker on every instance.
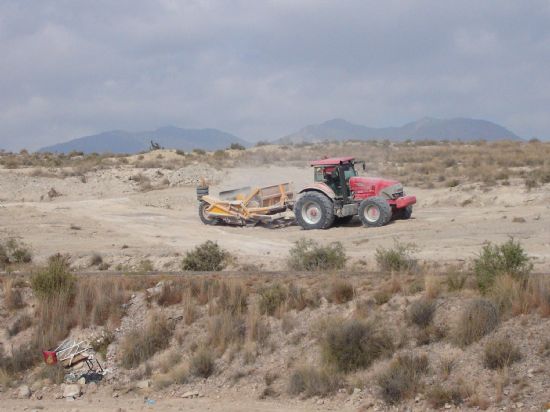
{"x":109,"y":212}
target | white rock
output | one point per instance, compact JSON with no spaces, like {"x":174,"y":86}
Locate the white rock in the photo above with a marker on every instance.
{"x":143,"y":384}
{"x":82,"y":381}
{"x":71,"y":391}
{"x":448,"y":406}
{"x":24,"y":392}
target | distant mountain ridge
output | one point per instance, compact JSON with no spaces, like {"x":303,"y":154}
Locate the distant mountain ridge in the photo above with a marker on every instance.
{"x":169,"y":137}
{"x":427,"y":128}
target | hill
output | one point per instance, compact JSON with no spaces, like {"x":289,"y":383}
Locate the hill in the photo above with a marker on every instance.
{"x":427,"y":128}
{"x":170,"y":137}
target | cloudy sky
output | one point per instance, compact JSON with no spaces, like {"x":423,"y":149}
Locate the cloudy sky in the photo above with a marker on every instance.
{"x":261,"y":69}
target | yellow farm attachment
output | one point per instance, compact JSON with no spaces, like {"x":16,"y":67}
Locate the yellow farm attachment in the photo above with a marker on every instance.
{"x":245,"y":205}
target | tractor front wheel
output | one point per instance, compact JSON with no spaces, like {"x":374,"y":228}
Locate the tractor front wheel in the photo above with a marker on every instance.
{"x":204,"y":215}
{"x":405,"y":212}
{"x":314,"y":210}
{"x":374,"y":211}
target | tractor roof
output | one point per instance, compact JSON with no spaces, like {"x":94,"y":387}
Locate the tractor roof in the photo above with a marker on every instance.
{"x":333,"y":161}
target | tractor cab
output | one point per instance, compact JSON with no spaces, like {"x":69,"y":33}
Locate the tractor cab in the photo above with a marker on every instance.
{"x":336,"y":173}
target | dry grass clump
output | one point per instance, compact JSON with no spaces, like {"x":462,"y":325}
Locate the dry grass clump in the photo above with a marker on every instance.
{"x":354,"y":344}
{"x":497,"y":260}
{"x":178,"y":375}
{"x":272,"y":298}
{"x":500,"y":352}
{"x":226,"y":329}
{"x":232,"y":298}
{"x":340,"y":291}
{"x":309,"y":381}
{"x":308,"y":255}
{"x":206,"y":256}
{"x":438,"y":396}
{"x":396,"y":259}
{"x":421,"y":312}
{"x":479,"y":318}
{"x":171,"y":293}
{"x":54,"y":320}
{"x":99,"y":301}
{"x":22,"y":358}
{"x":402,"y":377}
{"x":140,"y":345}
{"x":22,"y":323}
{"x":202,"y":363}
{"x":12,"y":295}
{"x":455,"y":281}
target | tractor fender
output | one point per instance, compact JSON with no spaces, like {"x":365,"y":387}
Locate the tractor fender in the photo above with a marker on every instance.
{"x":321,"y":188}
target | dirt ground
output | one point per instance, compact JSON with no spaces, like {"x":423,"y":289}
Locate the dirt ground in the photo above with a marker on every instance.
{"x":109,"y":215}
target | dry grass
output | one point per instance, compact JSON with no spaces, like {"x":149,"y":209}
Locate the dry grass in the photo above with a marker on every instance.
{"x":171,"y":293}
{"x":354,"y":344}
{"x":500,"y":352}
{"x":12,"y":296}
{"x":139,"y":345}
{"x":438,"y":396}
{"x":22,"y":323}
{"x":202,"y":363}
{"x":309,"y":381}
{"x":421,"y":312}
{"x":402,"y":377}
{"x":340,"y":291}
{"x":479,"y":318}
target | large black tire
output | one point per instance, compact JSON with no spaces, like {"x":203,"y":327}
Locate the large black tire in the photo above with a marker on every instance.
{"x":374,"y":211}
{"x":344,"y":220}
{"x":314,"y":210}
{"x":404,"y":212}
{"x":203,"y":214}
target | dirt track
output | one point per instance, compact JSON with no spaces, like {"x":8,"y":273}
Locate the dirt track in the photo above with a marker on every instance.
{"x":448,"y":225}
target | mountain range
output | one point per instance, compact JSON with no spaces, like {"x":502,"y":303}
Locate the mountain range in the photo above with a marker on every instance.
{"x":170,"y":137}
{"x":423,"y":129}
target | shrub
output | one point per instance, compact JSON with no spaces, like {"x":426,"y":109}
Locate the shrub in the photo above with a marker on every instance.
{"x":170,"y":294}
{"x":455,"y":281}
{"x":233,"y":298}
{"x":96,"y":259}
{"x":272,"y":298}
{"x":500,"y":352}
{"x":14,"y":252}
{"x":206,"y":256}
{"x":226,"y":329}
{"x":310,"y":381}
{"x":397,"y":258}
{"x":140,"y":345}
{"x":22,"y":358}
{"x":202,"y":363}
{"x":308,"y":255}
{"x":421,"y":312}
{"x":438,"y":396}
{"x":54,"y":279}
{"x":199,"y":152}
{"x":341,"y":291}
{"x":402,"y":377}
{"x":12,"y":295}
{"x":237,"y":146}
{"x":353,"y":344}
{"x":497,"y":260}
{"x":478,"y":319}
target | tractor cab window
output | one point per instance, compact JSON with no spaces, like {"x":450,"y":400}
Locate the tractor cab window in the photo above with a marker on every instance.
{"x":349,"y":171}
{"x":318,"y":174}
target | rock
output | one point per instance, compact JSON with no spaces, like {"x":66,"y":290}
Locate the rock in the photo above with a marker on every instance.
{"x":448,"y":406}
{"x":143,"y":384}
{"x":190,"y":394}
{"x":24,"y":392}
{"x":71,"y":391}
{"x":81,"y":381}
{"x":115,"y":395}
{"x":356,"y":391}
{"x":320,"y":402}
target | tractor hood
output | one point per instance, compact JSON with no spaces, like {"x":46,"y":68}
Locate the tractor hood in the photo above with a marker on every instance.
{"x":376,"y":186}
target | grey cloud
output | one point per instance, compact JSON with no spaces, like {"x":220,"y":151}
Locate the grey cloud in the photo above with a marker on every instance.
{"x":261,"y":69}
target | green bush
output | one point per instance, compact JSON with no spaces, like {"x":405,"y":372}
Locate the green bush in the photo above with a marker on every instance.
{"x":497,"y":260}
{"x":307,"y":254}
{"x":396,"y":259}
{"x":55,"y":279}
{"x":237,"y":146}
{"x":310,"y":381}
{"x":402,"y":377}
{"x":500,"y":352}
{"x":206,"y":256}
{"x":353,"y":344}
{"x":272,"y":298}
{"x":14,"y":252}
{"x":479,"y":318}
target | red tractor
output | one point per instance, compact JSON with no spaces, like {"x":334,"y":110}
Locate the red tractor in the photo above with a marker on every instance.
{"x":338,"y":194}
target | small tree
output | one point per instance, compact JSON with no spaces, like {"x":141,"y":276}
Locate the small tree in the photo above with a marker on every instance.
{"x":206,"y":256}
{"x":237,"y":146}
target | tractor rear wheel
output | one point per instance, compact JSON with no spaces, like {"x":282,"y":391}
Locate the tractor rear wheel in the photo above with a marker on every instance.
{"x":203,"y":214}
{"x":314,"y":210}
{"x":374,"y":211}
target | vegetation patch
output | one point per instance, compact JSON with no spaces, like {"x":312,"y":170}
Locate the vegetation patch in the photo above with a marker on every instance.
{"x":479,"y":318}
{"x":402,"y":377}
{"x":396,"y":259}
{"x":310,"y":381}
{"x":206,"y":256}
{"x":421,"y":312}
{"x":308,"y":255}
{"x":500,"y":352}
